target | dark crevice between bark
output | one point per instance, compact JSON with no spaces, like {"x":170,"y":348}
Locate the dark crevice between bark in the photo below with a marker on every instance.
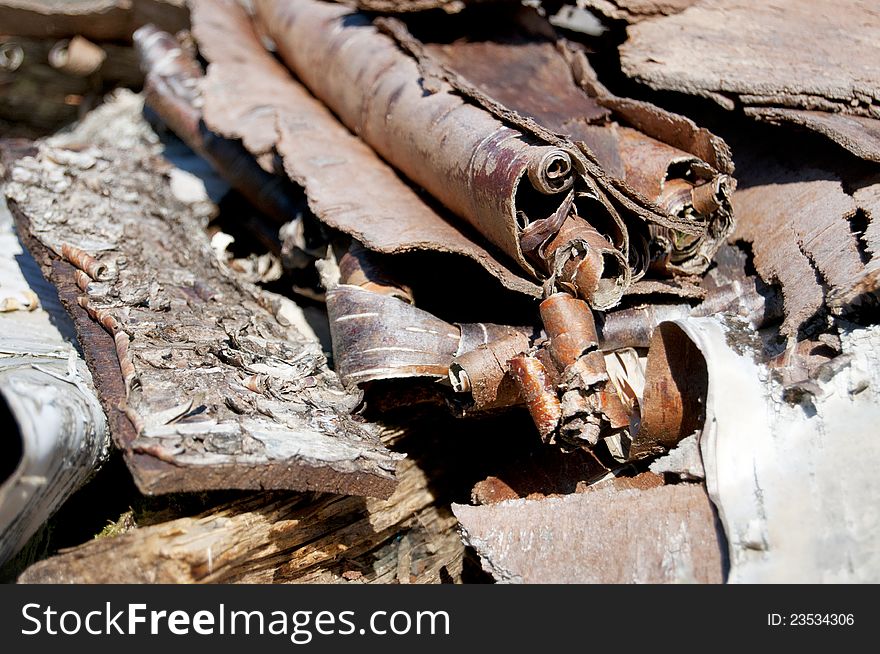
{"x":11,"y":444}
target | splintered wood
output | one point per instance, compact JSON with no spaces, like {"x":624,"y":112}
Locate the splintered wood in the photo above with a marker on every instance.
{"x":280,"y":539}
{"x":205,"y":386}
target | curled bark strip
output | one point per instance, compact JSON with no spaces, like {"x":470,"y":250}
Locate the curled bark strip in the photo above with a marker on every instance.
{"x":357,"y":267}
{"x":250,"y":95}
{"x":172,"y":91}
{"x":83,"y":261}
{"x":676,"y":382}
{"x":377,"y":336}
{"x":77,"y":56}
{"x":552,"y":172}
{"x":101,"y":316}
{"x":634,"y":327}
{"x":570,"y":327}
{"x":82,"y":280}
{"x":586,"y":264}
{"x":126,"y":367}
{"x":469,"y":160}
{"x":537,"y":393}
{"x":629,"y":165}
{"x":483,"y":374}
{"x":475,"y":334}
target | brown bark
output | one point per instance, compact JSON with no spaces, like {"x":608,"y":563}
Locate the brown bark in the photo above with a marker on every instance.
{"x":248,"y":95}
{"x":98,"y":20}
{"x":763,"y":56}
{"x":204,"y":386}
{"x":655,"y":535}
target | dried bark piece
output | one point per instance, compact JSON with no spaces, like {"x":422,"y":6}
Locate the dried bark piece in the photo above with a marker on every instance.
{"x":483,"y":374}
{"x":380,"y":336}
{"x":177,"y":331}
{"x":171,"y":89}
{"x":478,"y":167}
{"x":665,"y":534}
{"x":634,"y":11}
{"x":726,"y":289}
{"x":797,"y":222}
{"x":248,"y":95}
{"x":757,"y":441}
{"x":274,"y":538}
{"x":98,"y":20}
{"x":761,"y":55}
{"x":570,"y":327}
{"x":538,"y":394}
{"x":357,"y":267}
{"x":586,"y":264}
{"x":672,"y":405}
{"x":590,"y":409}
{"x":558,"y":94}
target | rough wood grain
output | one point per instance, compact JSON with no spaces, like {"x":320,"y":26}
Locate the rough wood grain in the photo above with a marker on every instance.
{"x":279,"y":539}
{"x":205,"y":387}
{"x":665,"y":534}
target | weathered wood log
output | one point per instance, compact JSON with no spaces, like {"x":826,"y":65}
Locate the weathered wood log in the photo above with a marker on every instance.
{"x":204,"y":386}
{"x":275,"y":538}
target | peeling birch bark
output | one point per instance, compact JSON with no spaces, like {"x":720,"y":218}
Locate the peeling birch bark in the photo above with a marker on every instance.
{"x":664,"y":534}
{"x":204,"y":386}
{"x":380,"y":336}
{"x":766,"y":448}
{"x":685,"y":200}
{"x":56,"y":435}
{"x":762,"y":56}
{"x":797,"y":222}
{"x":248,"y":95}
{"x":171,"y":89}
{"x":516,"y":188}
